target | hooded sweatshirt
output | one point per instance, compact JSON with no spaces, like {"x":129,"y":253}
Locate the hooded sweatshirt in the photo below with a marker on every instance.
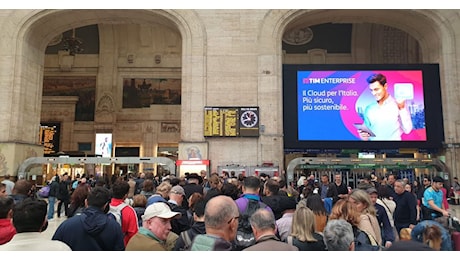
{"x":92,"y":230}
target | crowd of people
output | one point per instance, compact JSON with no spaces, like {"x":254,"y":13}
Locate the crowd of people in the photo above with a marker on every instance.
{"x":201,"y":212}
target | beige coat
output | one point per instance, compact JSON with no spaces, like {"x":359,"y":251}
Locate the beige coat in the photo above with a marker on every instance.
{"x":370,"y":224}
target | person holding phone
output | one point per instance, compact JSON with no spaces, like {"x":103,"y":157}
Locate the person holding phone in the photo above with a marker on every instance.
{"x":387,"y":118}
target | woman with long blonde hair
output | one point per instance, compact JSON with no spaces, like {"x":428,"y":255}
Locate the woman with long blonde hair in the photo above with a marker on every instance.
{"x":361,"y":200}
{"x":344,"y":209}
{"x":303,"y":234}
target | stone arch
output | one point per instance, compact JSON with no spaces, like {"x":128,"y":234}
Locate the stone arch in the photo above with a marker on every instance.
{"x":36,"y":28}
{"x":435,"y":35}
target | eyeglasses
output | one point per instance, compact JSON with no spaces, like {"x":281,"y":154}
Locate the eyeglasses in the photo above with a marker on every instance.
{"x":230,"y":221}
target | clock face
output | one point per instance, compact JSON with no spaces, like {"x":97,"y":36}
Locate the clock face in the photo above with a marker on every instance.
{"x":249,"y":119}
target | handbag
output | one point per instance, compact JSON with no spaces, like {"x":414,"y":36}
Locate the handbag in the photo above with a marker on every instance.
{"x":44,"y":192}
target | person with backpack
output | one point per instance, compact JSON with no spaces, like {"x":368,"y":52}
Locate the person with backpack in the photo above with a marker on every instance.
{"x":184,"y":242}
{"x":176,"y":197}
{"x":247,"y":204}
{"x":124,"y":214}
{"x":7,"y":229}
{"x":92,"y":230}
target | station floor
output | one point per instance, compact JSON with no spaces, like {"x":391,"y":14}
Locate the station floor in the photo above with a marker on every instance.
{"x":52,"y":225}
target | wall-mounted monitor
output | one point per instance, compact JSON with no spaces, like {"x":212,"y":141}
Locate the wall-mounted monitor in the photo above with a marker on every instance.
{"x":103,"y":144}
{"x":49,"y":137}
{"x":231,"y":121}
{"x":362,"y":106}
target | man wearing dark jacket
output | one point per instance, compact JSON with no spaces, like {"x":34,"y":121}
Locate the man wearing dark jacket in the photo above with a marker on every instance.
{"x":54,"y":191}
{"x":182,"y":223}
{"x":92,"y":230}
{"x":184,"y":242}
{"x":340,"y":187}
{"x":22,"y":190}
{"x":271,"y":198}
{"x":388,"y":236}
{"x":63,"y":195}
{"x":327,"y":189}
{"x":193,"y":185}
{"x":405,"y":214}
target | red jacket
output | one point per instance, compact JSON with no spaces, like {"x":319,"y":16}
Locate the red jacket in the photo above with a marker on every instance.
{"x":129,"y":225}
{"x":7,"y":230}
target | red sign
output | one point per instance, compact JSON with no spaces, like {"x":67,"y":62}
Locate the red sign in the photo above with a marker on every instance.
{"x":192,"y":162}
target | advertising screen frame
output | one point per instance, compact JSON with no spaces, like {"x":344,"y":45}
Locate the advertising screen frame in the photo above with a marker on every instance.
{"x":433,"y":128}
{"x":103,"y":145}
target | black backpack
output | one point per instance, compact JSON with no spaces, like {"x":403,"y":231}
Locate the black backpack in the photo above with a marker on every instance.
{"x":244,"y":235}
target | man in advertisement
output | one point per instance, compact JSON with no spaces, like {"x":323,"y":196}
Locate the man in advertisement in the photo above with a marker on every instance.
{"x":388,"y":118}
{"x":105,"y":147}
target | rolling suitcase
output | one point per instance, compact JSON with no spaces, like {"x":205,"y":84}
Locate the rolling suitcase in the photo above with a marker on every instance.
{"x":456,"y":241}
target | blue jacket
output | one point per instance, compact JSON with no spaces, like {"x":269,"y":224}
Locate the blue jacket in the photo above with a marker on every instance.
{"x":385,"y":226}
{"x":417,"y":234}
{"x":92,"y":230}
{"x":155,"y":198}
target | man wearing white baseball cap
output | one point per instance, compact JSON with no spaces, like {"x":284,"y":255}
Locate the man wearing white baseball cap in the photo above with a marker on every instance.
{"x":155,"y":233}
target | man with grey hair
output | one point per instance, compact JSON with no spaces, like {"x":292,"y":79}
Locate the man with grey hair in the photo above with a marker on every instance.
{"x":338,"y":235}
{"x":221,"y":223}
{"x":264,"y":228}
{"x":405,"y":213}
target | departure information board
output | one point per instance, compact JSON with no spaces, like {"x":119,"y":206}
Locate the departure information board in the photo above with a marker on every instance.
{"x":49,"y":137}
{"x":231,"y":121}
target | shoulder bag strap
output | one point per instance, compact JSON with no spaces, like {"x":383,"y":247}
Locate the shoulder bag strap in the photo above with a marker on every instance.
{"x":371,"y":237}
{"x":386,"y":206}
{"x":186,"y":238}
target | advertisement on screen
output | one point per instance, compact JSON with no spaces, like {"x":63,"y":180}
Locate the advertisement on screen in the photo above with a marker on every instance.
{"x":359,"y":105}
{"x":104,"y":145}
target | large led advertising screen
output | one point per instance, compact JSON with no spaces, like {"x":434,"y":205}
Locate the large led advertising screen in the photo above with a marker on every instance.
{"x":362,"y":106}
